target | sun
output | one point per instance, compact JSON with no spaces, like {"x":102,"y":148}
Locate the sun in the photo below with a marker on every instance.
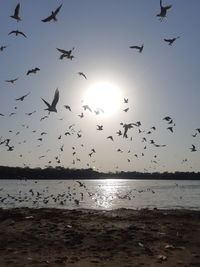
{"x":103,"y":98}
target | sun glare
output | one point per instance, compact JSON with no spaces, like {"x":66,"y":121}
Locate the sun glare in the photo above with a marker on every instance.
{"x":104,"y":98}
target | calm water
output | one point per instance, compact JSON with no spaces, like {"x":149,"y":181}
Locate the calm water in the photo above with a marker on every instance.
{"x":100,"y":194}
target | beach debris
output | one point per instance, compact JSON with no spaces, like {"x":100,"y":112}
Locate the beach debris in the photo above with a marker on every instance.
{"x":169,"y":246}
{"x":29,"y":217}
{"x":162,"y":257}
{"x":141,"y":245}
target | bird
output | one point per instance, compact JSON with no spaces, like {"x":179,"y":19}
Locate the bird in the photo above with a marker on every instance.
{"x":52,"y":107}
{"x":67,"y":107}
{"x":140,"y":48}
{"x":66,"y":53}
{"x":198,"y":129}
{"x":2,"y":114}
{"x":32,"y":71}
{"x":30,"y":113}
{"x":45,"y":117}
{"x":171,"y":129}
{"x":16,"y":13}
{"x":22,"y":97}
{"x":82,"y":74}
{"x":170,"y":41}
{"x":125,"y":100}
{"x":167,"y":118}
{"x":193,"y":148}
{"x":2,"y":47}
{"x":16,"y":32}
{"x":99,"y":127}
{"x":126,"y":127}
{"x":126,"y":109}
{"x":110,"y":137}
{"x":53,"y":15}
{"x":81,"y":115}
{"x":86,"y":107}
{"x":12,"y":80}
{"x":163,"y":11}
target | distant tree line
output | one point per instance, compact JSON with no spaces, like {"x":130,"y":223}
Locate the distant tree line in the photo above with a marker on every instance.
{"x":69,"y":174}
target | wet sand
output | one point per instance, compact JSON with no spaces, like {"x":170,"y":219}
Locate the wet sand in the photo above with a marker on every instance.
{"x":84,"y":238}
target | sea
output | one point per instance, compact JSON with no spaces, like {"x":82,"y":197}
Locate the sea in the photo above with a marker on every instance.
{"x":106,"y":194}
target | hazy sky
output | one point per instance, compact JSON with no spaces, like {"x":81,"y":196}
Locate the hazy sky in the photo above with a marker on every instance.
{"x":161,"y":81}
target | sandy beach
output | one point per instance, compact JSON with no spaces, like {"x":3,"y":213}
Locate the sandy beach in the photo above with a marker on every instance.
{"x":84,"y":238}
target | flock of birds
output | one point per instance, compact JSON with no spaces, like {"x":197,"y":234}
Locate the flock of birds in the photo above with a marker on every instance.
{"x":71,"y":130}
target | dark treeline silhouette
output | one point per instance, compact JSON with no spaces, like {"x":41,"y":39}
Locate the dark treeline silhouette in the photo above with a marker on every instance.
{"x":62,"y":173}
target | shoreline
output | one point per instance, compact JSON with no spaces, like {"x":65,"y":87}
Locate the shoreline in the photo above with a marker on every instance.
{"x":84,"y":237}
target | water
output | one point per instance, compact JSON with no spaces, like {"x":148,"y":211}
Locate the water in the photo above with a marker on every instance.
{"x":100,"y":194}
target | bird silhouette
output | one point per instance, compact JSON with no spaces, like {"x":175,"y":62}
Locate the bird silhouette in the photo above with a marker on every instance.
{"x":67,"y":107}
{"x":12,"y":80}
{"x":2,"y":114}
{"x":99,"y":127}
{"x":22,"y":97}
{"x":170,"y":41}
{"x":30,"y":113}
{"x":86,"y":107}
{"x":66,"y":53}
{"x":16,"y":32}
{"x":32,"y":71}
{"x":163,"y":11}
{"x":125,"y":100}
{"x":139,"y":48}
{"x":53,"y":15}
{"x":110,"y":137}
{"x":193,"y":148}
{"x":2,"y":47}
{"x":16,"y":13}
{"x":82,"y":74}
{"x":52,"y":107}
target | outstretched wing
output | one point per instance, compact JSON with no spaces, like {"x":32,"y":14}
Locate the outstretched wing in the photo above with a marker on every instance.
{"x":47,"y":19}
{"x":48,"y":105}
{"x":135,"y":46}
{"x":168,"y":7}
{"x":17,"y":10}
{"x":22,"y":34}
{"x":57,"y":10}
{"x":62,"y":51}
{"x":160,"y":3}
{"x":56,"y":98}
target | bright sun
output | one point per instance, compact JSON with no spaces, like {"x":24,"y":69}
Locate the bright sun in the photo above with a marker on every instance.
{"x":104,"y":98}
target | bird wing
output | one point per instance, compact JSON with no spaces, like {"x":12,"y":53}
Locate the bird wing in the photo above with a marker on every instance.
{"x":168,"y":7}
{"x":17,"y":10}
{"x":48,"y":105}
{"x":49,"y":18}
{"x":167,"y":40}
{"x":22,"y":34}
{"x":28,"y":72}
{"x":56,"y":98}
{"x":135,"y":46}
{"x":160,"y":3}
{"x":57,"y":10}
{"x":62,"y":51}
{"x":11,"y":32}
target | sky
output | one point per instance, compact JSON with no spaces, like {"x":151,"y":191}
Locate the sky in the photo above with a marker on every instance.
{"x":161,"y":81}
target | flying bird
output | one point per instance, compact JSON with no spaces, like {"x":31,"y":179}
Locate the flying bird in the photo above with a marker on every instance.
{"x":100,"y":127}
{"x":66,"y":53}
{"x":170,"y":41}
{"x":82,"y":74}
{"x":32,"y":71}
{"x":53,"y":15}
{"x":67,"y":107}
{"x":163,"y":11}
{"x":17,"y":33}
{"x":110,"y":137}
{"x":12,"y":80}
{"x":22,"y":97}
{"x":86,"y":107}
{"x":16,"y":13}
{"x":2,"y":114}
{"x":140,"y":48}
{"x":193,"y":148}
{"x":2,"y":47}
{"x":125,"y":100}
{"x":52,"y":107}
